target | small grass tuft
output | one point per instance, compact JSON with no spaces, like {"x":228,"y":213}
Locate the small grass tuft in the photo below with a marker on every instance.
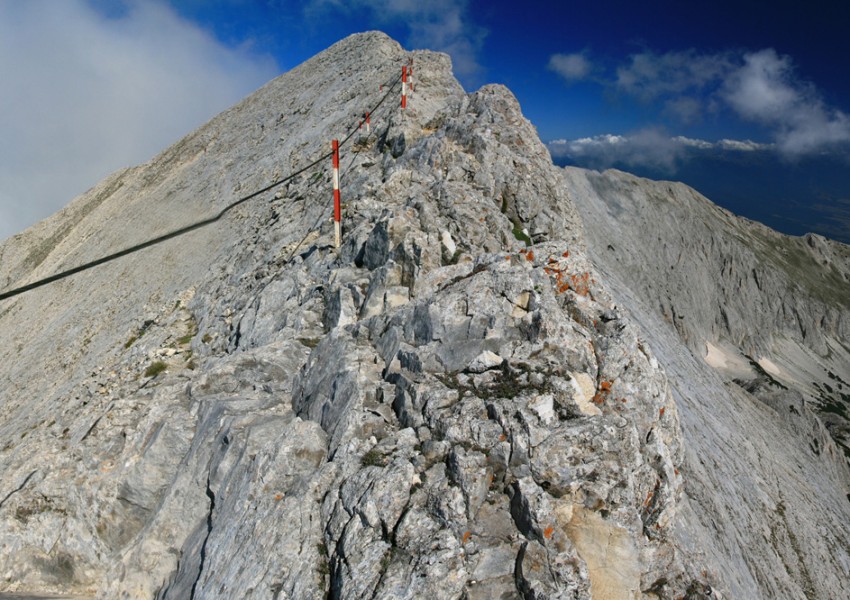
{"x":520,"y":235}
{"x":386,"y":561}
{"x":182,"y":341}
{"x":373,"y":458}
{"x":309,"y":342}
{"x":155,"y":369}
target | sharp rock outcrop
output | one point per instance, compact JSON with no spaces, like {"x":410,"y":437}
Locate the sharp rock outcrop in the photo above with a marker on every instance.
{"x":453,"y":404}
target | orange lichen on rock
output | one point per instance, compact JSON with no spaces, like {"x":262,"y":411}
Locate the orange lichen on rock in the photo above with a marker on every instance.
{"x":466,"y":536}
{"x":547,"y":533}
{"x":580,"y":284}
{"x":603,"y":393}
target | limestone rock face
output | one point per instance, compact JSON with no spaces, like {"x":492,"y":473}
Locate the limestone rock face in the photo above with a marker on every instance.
{"x":757,"y":304}
{"x":715,"y":275}
{"x":454,"y":404}
{"x":765,"y":318}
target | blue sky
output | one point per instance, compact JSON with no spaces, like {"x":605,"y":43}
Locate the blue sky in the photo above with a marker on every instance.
{"x":657,"y":87}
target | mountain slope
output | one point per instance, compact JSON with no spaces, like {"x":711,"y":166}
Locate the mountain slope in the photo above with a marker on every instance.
{"x":434,"y":409}
{"x":758,"y":302}
{"x":764,"y":318}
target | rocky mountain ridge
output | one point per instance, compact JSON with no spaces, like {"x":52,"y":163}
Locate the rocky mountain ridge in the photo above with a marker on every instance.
{"x":456,"y":403}
{"x":757,"y":303}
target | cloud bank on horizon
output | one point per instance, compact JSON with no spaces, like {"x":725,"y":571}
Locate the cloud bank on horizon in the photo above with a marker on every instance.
{"x":85,"y":94}
{"x":649,"y":147}
{"x":760,"y":88}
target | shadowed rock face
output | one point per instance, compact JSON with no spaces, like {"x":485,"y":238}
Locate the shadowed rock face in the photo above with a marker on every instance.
{"x":435,"y":409}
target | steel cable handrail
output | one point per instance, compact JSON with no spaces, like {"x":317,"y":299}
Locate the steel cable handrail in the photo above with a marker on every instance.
{"x":192,"y":227}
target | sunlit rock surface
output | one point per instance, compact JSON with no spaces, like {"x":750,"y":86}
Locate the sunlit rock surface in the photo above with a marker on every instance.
{"x":463,"y":401}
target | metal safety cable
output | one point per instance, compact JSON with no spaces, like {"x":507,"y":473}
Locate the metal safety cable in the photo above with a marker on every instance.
{"x":188,"y":228}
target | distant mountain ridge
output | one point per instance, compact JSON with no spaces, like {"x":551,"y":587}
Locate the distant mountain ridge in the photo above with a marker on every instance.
{"x":496,"y":387}
{"x":809,"y":195}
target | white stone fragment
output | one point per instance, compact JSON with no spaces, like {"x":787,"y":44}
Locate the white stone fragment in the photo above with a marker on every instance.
{"x":484,"y":362}
{"x":583,"y":391}
{"x":543,"y":407}
{"x":448,"y":242}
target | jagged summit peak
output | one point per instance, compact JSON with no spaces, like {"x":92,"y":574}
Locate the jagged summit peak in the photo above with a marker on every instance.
{"x":373,"y":38}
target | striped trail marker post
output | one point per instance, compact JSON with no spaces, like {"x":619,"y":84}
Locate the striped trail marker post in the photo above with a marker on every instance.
{"x":337,"y":208}
{"x":368,"y":123}
{"x":404,"y":87}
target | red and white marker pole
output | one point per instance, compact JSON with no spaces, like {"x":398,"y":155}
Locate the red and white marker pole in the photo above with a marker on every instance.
{"x":404,"y":86}
{"x":337,"y":208}
{"x":366,"y":121}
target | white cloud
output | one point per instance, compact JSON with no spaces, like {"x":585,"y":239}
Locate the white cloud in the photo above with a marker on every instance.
{"x":649,"y":76}
{"x":743,"y":145}
{"x":645,"y":148}
{"x":84,"y":95}
{"x":649,"y":147}
{"x":760,"y":87}
{"x":765,"y":89}
{"x":693,"y":143}
{"x":685,"y":109}
{"x":724,"y":144}
{"x":572,"y":67}
{"x":442,"y":25}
